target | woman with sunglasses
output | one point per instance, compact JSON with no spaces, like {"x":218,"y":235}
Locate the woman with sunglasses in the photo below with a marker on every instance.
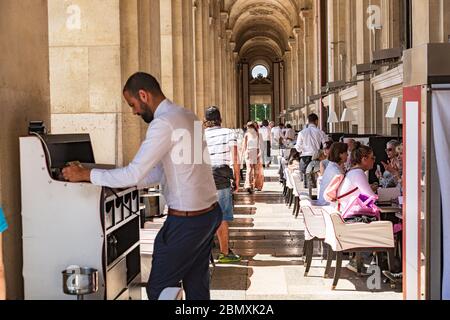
{"x":389,"y":177}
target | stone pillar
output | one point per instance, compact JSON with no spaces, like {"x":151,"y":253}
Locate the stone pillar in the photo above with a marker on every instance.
{"x":131,"y":125}
{"x":217,"y":53}
{"x":431,"y":21}
{"x":85,"y":73}
{"x":309,"y":57}
{"x":24,"y":96}
{"x":212,"y":71}
{"x":237,"y":117}
{"x":245,"y":91}
{"x":282,"y":91}
{"x":206,"y":59}
{"x":167,"y":49}
{"x":276,"y":107}
{"x":188,"y":56}
{"x":199,"y":62}
{"x":240,"y":95}
{"x":294,"y":72}
{"x":288,"y":78}
{"x":178,"y":52}
{"x":363,"y":54}
{"x":299,"y":38}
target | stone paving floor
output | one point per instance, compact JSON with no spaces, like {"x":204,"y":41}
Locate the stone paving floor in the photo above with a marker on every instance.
{"x":270,"y":241}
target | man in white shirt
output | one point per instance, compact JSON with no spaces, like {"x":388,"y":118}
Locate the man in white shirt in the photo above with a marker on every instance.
{"x":309,"y":141}
{"x":222,"y":146}
{"x":265,"y":132}
{"x":289,"y":134}
{"x":183,"y":245}
{"x":277,"y":139}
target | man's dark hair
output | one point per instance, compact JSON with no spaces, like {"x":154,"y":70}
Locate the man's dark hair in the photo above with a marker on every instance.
{"x":288,"y":126}
{"x":281,"y":124}
{"x":312,"y":118}
{"x":142,"y":81}
{"x":212,"y":117}
{"x":265,"y":123}
{"x":336,"y":150}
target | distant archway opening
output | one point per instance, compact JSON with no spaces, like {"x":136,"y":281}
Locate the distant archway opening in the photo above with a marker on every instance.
{"x":260,"y":71}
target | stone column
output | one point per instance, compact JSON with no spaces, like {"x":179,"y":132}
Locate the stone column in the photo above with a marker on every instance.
{"x":276,"y":108}
{"x":237,"y":117}
{"x":299,"y":38}
{"x":199,"y":62}
{"x":212,"y":71}
{"x":188,"y":56}
{"x":206,"y":59}
{"x":130,"y":35}
{"x":167,"y":48}
{"x":85,"y":73}
{"x":24,"y":96}
{"x":431,"y":21}
{"x":294,"y":72}
{"x":217,"y":54}
{"x":178,"y":51}
{"x":282,"y":91}
{"x":240,"y":95}
{"x":363,"y":54}
{"x":245,"y":91}
{"x":288,"y":78}
{"x":232,"y":86}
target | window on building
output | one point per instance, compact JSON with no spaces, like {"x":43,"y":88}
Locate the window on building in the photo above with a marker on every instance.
{"x":260,"y":71}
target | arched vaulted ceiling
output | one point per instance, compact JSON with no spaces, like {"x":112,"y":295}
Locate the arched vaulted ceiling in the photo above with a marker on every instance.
{"x":261,"y":28}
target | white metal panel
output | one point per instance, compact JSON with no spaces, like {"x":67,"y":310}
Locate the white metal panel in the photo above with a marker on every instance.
{"x":61,"y":226}
{"x":412,"y":208}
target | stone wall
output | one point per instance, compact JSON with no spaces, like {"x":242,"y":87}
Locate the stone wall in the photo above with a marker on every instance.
{"x":24,"y":96}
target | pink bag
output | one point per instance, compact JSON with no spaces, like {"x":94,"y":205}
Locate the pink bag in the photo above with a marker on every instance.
{"x":362,"y":205}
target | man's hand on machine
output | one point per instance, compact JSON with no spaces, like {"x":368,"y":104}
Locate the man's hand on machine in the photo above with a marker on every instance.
{"x":76,"y":173}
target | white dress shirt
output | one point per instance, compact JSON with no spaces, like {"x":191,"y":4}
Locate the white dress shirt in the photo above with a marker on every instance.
{"x":265,"y":133}
{"x":188,"y":185}
{"x":309,"y":140}
{"x":276,"y":134}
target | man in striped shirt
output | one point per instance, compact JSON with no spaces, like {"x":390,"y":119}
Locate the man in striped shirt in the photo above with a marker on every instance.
{"x":222,"y":147}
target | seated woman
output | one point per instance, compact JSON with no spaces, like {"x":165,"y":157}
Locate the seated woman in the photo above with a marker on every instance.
{"x":388,"y":179}
{"x":337,"y":159}
{"x":356,"y":184}
{"x":294,"y":160}
{"x":324,"y":163}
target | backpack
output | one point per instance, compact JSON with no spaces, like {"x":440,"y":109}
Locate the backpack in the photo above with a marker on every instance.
{"x":331,"y":192}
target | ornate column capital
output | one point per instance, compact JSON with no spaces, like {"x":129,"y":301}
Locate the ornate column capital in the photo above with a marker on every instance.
{"x":292,"y":42}
{"x":305,"y":14}
{"x":228,"y":34}
{"x":232,"y":46}
{"x":224,"y":16}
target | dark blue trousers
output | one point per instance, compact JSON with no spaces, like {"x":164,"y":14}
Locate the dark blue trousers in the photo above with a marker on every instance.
{"x":182,"y":252}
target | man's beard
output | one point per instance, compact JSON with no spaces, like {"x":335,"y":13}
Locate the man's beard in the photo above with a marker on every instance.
{"x":147,"y":114}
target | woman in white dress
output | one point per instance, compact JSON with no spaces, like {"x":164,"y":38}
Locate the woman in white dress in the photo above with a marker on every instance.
{"x":251,"y":153}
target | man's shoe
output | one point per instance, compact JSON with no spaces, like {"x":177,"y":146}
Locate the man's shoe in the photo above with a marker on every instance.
{"x":229,"y":258}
